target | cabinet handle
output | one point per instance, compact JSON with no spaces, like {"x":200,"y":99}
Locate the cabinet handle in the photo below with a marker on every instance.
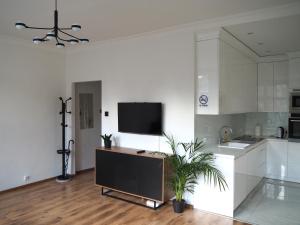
{"x":295,"y":121}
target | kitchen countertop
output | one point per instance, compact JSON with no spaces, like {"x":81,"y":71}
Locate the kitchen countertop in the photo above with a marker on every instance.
{"x":234,"y":153}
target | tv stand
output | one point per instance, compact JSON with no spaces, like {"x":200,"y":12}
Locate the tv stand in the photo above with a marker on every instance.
{"x":139,"y":175}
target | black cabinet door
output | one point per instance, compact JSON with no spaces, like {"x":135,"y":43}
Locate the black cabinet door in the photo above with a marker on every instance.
{"x":129,"y":173}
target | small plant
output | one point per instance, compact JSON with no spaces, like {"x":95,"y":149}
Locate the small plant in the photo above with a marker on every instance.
{"x":107,"y":140}
{"x":188,"y":167}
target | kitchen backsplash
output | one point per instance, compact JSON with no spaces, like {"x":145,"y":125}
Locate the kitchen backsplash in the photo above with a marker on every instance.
{"x":208,"y":126}
{"x":268,"y":122}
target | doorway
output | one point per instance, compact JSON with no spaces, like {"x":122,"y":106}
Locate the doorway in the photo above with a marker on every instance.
{"x":87,"y":123}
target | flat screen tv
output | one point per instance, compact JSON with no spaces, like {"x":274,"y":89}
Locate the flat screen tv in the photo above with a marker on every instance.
{"x":140,"y":118}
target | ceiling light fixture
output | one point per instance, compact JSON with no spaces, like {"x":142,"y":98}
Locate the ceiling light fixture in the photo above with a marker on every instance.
{"x":55,"y":32}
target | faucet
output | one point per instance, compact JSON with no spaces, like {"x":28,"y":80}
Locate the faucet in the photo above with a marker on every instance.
{"x":225,"y":134}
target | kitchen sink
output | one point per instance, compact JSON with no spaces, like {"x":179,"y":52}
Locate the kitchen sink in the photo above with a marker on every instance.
{"x":236,"y":145}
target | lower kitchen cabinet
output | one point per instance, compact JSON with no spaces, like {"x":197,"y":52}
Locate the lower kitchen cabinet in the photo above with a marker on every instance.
{"x":277,"y":159}
{"x":293,"y":159}
{"x":240,"y":182}
{"x":249,"y":171}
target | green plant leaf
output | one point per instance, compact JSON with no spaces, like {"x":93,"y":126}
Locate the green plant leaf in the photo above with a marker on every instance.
{"x":188,"y":167}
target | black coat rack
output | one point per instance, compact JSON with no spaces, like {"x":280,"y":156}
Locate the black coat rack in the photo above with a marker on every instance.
{"x":65,"y":152}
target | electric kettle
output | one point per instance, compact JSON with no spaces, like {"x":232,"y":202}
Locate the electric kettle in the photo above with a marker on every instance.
{"x":280,"y":132}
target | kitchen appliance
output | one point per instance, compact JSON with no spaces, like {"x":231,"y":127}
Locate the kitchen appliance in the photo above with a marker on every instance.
{"x":294,"y":127}
{"x":225,"y":134}
{"x":295,"y":101}
{"x":280,"y":132}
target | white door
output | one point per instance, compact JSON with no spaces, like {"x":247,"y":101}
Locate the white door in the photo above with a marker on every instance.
{"x":88,"y":123}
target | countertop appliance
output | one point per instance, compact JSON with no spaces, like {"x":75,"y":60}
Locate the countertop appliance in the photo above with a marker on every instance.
{"x":294,"y":127}
{"x":295,"y":101}
{"x":225,"y":134}
{"x":280,"y":132}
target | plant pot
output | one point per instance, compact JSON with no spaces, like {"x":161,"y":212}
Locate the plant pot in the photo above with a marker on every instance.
{"x":107,"y":144}
{"x":178,"y":206}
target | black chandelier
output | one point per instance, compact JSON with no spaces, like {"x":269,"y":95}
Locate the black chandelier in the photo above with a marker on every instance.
{"x":54,"y":32}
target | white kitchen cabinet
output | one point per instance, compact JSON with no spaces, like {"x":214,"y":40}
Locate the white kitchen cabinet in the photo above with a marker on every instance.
{"x":294,"y":73}
{"x":249,"y":171}
{"x":273,"y":87}
{"x":256,"y":166}
{"x":277,"y":159}
{"x":240,"y":182}
{"x":226,"y":80}
{"x":293,"y":169}
{"x":238,"y":81}
{"x":207,"y":77}
{"x":281,"y":91}
{"x":265,"y":87}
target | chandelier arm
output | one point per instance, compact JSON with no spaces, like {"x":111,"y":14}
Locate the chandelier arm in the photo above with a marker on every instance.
{"x":69,"y":34}
{"x":59,"y":38}
{"x":44,"y":38}
{"x":39,"y":28}
{"x":65,"y":28}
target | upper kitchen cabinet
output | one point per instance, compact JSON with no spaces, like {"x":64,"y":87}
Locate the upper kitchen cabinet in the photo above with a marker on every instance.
{"x":273,"y":87}
{"x":226,"y":78}
{"x":294,"y":73}
{"x":265,"y":87}
{"x":281,"y":90}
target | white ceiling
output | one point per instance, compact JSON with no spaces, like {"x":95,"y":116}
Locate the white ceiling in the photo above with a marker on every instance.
{"x":270,"y":37}
{"x":106,"y":19}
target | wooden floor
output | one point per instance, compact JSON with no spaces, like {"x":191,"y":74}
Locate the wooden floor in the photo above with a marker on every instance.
{"x":79,"y":202}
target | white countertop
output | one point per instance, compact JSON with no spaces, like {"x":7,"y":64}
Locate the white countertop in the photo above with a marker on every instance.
{"x":236,"y":153}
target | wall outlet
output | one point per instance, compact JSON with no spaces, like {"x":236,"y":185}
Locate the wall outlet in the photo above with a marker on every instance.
{"x":26,"y":178}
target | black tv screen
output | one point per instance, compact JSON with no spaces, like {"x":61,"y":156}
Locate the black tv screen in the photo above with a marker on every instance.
{"x":140,"y":118}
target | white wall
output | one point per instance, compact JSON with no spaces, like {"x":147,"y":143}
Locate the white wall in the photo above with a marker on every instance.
{"x":31,"y":80}
{"x":154,"y":68}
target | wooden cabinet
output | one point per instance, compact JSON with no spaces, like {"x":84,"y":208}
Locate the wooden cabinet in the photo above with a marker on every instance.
{"x":226,"y":80}
{"x":273,"y":87}
{"x":123,"y":170}
{"x":277,"y":159}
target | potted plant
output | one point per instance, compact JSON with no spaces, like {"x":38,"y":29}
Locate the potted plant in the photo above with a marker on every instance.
{"x":107,"y":140}
{"x":187,"y":167}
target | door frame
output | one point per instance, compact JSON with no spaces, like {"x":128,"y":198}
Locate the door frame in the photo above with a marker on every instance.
{"x":72,"y":167}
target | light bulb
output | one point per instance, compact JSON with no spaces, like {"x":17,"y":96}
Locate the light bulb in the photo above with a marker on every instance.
{"x":50,"y":36}
{"x":84,"y":41}
{"x":73,"y":41}
{"x":60,"y":45}
{"x":20,"y":25}
{"x":37,"y":40}
{"x":75,"y":27}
